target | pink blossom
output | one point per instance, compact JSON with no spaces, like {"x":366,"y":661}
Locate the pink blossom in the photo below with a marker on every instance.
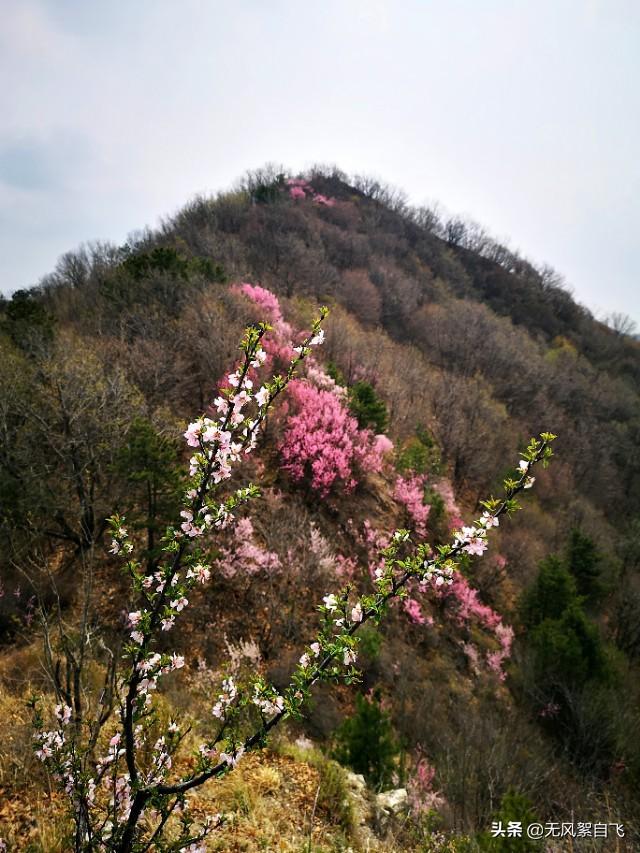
{"x":232,"y":759}
{"x":469,"y":607}
{"x":469,"y":604}
{"x":322,"y":442}
{"x":63,"y":713}
{"x":489,"y":520}
{"x":414,"y":611}
{"x":262,"y":396}
{"x":276,"y":344}
{"x":260,"y":358}
{"x":445,"y":489}
{"x":297,"y":192}
{"x":349,"y":657}
{"x":322,"y":199}
{"x":330,"y":602}
{"x":420,"y":789}
{"x":193,"y":434}
{"x":207,"y":752}
{"x":345,"y":567}
{"x":504,"y":633}
{"x":356,"y":613}
{"x":318,"y":376}
{"x":476,"y":546}
{"x":243,"y":552}
{"x":500,"y":561}
{"x":383,"y":445}
{"x":264,"y":299}
{"x":409,"y":491}
{"x":494,"y":662}
{"x":200,"y":572}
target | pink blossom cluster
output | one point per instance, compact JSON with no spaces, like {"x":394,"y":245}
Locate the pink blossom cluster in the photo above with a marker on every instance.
{"x":445,"y":489}
{"x":469,"y":607}
{"x":151,"y":669}
{"x":495,"y":660}
{"x":318,"y":376}
{"x":383,"y":444}
{"x":420,"y":789}
{"x":119,"y":543}
{"x":269,"y":701}
{"x":299,"y":188}
{"x":221,"y":442}
{"x":277,"y":343}
{"x":409,"y":491}
{"x":244,"y":553}
{"x":323,"y":444}
{"x":345,"y":568}
{"x":472,"y":540}
{"x":50,"y":743}
{"x":375,"y":543}
{"x":314,"y":649}
{"x":414,"y":611}
{"x":265,"y":300}
{"x":225,"y":699}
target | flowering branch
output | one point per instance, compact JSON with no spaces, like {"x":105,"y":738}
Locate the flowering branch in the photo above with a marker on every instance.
{"x":326,"y":657}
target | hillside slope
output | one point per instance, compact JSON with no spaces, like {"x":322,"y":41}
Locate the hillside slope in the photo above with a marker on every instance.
{"x":516,"y":687}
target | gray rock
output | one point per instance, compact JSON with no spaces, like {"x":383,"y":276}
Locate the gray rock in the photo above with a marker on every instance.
{"x":394,"y":802}
{"x":355,"y":782}
{"x":390,"y":805}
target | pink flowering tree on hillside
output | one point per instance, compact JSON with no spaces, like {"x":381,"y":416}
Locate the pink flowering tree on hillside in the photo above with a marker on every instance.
{"x":323,"y":444}
{"x":409,"y":491}
{"x":469,"y":609}
{"x":299,"y":189}
{"x":277,"y":343}
{"x":118,"y":758}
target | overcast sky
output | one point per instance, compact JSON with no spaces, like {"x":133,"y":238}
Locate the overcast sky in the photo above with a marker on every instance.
{"x":523,"y":115}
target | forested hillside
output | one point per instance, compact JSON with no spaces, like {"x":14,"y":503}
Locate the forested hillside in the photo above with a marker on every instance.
{"x":511,"y":693}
